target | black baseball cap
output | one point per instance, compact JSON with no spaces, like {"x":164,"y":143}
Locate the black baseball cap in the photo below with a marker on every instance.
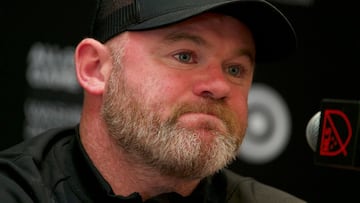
{"x":274,"y":35}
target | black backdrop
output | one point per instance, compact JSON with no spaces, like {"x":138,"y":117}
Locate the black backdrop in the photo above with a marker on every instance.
{"x":324,"y":67}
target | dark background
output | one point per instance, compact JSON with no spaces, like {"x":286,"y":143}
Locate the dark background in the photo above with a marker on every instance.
{"x":324,"y":67}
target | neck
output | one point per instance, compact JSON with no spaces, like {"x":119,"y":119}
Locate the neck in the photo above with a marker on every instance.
{"x":121,"y":170}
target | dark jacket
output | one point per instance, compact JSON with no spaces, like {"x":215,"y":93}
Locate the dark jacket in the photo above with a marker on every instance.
{"x":54,"y":167}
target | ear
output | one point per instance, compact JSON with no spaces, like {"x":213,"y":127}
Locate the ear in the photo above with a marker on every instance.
{"x":93,"y":63}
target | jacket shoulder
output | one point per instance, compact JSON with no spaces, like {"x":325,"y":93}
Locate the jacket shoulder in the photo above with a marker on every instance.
{"x":247,"y":189}
{"x":27,"y":168}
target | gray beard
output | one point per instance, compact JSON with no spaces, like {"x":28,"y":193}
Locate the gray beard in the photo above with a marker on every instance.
{"x":164,"y":146}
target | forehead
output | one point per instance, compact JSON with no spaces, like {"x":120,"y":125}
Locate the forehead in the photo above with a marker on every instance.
{"x":207,"y":25}
{"x":213,"y":21}
{"x":206,"y":28}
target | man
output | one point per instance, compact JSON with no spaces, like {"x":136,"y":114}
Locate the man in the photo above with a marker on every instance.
{"x":165,"y":107}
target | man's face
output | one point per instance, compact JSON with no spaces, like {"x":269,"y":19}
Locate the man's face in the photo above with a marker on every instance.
{"x":177,"y":98}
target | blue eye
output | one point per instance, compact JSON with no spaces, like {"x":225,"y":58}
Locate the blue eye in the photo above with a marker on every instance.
{"x":185,"y":57}
{"x":234,"y":70}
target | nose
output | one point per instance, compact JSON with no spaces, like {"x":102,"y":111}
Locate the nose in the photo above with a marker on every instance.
{"x":212,"y":83}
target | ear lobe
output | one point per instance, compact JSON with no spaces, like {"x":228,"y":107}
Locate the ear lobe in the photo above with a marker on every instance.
{"x":92,"y":61}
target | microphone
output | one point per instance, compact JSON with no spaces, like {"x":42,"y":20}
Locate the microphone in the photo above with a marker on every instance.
{"x":333,"y":134}
{"x":312,"y":131}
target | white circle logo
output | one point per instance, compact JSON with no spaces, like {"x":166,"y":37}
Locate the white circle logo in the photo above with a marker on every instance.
{"x":269,"y":126}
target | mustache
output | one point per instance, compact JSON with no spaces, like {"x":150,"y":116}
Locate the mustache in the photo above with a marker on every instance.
{"x":215,"y":108}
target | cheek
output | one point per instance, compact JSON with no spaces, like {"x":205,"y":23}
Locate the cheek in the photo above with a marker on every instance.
{"x":155,"y":91}
{"x":240,"y":107}
{"x":165,"y":94}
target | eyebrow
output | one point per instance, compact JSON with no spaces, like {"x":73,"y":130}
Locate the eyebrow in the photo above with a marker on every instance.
{"x":178,"y":36}
{"x":248,"y":53}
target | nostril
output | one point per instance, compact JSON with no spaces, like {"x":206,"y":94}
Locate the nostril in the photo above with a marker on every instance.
{"x":207,"y":94}
{"x":211,"y":84}
{"x":211,"y":96}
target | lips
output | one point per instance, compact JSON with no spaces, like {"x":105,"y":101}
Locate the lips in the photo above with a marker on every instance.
{"x":201,"y":121}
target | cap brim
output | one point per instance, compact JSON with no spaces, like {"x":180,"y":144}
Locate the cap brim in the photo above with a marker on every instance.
{"x":274,"y":35}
